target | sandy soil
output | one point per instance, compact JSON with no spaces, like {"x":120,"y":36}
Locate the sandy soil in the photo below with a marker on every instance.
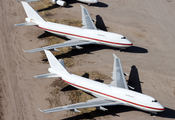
{"x":148,"y":24}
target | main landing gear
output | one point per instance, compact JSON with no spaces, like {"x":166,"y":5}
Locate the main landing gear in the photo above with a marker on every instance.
{"x":152,"y":113}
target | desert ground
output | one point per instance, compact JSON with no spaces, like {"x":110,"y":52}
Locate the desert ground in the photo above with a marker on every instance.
{"x":149,"y":24}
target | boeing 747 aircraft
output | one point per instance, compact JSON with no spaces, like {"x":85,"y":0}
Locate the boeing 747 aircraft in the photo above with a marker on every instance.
{"x":116,"y":93}
{"x":63,"y":3}
{"x":88,"y":34}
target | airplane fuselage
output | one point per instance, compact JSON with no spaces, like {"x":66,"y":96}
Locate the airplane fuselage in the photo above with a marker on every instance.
{"x":127,"y":97}
{"x":89,"y":1}
{"x":98,"y":36}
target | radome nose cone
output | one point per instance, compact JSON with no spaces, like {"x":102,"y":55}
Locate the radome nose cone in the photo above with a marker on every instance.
{"x":129,"y":42}
{"x":161,"y":108}
{"x":94,"y":1}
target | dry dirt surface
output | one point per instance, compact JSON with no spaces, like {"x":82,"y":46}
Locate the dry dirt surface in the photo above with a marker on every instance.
{"x":149,"y":24}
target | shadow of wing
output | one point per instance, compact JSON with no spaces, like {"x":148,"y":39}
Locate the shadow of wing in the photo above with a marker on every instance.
{"x":134,"y":80}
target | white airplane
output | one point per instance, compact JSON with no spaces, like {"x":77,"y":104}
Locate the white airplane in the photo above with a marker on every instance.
{"x":63,"y":3}
{"x":88,"y":34}
{"x":116,"y":93}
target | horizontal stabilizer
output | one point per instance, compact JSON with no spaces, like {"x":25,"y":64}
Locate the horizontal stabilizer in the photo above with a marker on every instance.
{"x":28,"y":0}
{"x":25,"y":24}
{"x":48,"y":75}
{"x":55,"y":64}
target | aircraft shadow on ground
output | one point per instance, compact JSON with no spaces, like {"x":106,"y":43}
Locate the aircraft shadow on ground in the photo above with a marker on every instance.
{"x":134,"y":80}
{"x":48,"y":8}
{"x":99,"y":4}
{"x":168,"y":113}
{"x":46,"y":34}
{"x":88,"y":49}
{"x":68,"y":5}
{"x":100,"y":23}
{"x":112,"y":110}
{"x":136,"y":49}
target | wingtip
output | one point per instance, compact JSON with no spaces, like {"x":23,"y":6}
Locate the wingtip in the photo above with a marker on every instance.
{"x":18,"y":1}
{"x":115,"y":55}
{"x":82,"y":6}
{"x":40,"y":110}
{"x":24,"y":50}
{"x":35,"y":76}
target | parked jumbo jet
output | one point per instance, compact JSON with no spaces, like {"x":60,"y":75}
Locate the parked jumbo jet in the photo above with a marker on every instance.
{"x":63,"y":3}
{"x":88,"y":34}
{"x":116,"y":93}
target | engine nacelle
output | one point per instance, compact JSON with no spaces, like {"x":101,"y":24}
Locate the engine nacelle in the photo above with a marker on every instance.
{"x":59,"y":2}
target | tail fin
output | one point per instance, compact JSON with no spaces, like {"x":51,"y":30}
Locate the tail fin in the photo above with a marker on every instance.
{"x":62,"y":62}
{"x":33,"y":17}
{"x":31,"y":13}
{"x":57,"y":67}
{"x":55,"y":64}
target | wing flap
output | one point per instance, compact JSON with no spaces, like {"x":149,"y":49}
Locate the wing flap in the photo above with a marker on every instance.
{"x":87,"y":20}
{"x":97,"y":102}
{"x":65,"y":44}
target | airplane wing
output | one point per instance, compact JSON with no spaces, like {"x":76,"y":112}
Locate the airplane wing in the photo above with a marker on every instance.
{"x":118,"y":75}
{"x":96,"y":102}
{"x":60,"y":45}
{"x":87,"y":20}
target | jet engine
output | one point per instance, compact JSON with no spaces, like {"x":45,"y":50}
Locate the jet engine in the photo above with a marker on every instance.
{"x":59,"y":2}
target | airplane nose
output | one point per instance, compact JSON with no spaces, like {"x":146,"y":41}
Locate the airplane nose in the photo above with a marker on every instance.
{"x":129,"y":42}
{"x":161,"y":108}
{"x":94,"y":1}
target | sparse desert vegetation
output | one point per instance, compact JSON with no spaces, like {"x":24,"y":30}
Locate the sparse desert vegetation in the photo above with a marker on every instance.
{"x":51,"y":40}
{"x":43,"y":7}
{"x":75,"y":96}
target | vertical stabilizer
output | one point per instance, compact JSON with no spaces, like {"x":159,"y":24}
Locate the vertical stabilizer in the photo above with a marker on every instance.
{"x":118,"y":75}
{"x":55,"y":64}
{"x":31,"y":13}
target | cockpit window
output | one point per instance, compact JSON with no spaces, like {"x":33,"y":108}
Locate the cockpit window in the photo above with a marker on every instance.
{"x":154,"y":101}
{"x":123,"y":37}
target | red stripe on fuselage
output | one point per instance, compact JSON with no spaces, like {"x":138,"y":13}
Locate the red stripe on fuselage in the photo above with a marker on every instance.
{"x":84,"y":37}
{"x":113,"y":96}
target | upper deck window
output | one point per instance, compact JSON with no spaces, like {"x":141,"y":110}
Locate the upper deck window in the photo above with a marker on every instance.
{"x":154,"y":101}
{"x":123,"y":37}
